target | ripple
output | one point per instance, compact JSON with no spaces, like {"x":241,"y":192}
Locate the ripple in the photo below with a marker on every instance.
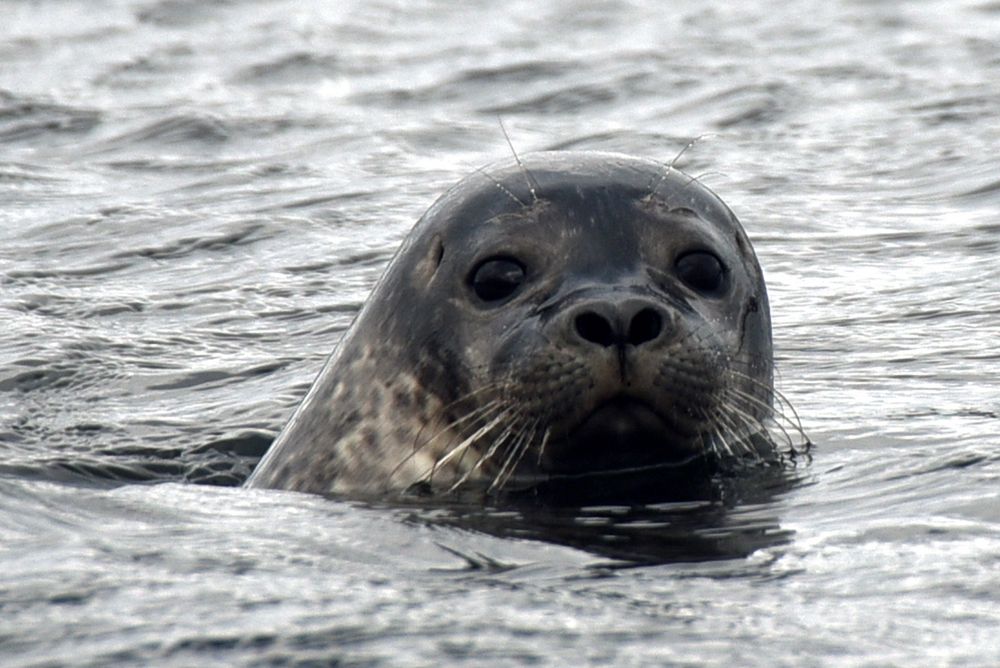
{"x":214,"y":377}
{"x":24,"y":119}
{"x":240,"y":235}
{"x":85,"y":271}
{"x":177,"y":129}
{"x":565,"y":99}
{"x":300,"y":67}
{"x":14,"y":172}
{"x":181,"y":13}
{"x":756,"y":104}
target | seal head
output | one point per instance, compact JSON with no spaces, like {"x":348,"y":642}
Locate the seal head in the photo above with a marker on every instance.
{"x":572,"y":316}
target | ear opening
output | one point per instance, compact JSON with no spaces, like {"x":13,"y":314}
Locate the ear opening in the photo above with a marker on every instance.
{"x":437,"y":251}
{"x":432,"y":259}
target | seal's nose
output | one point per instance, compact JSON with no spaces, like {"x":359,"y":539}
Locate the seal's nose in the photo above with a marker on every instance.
{"x":607,"y":323}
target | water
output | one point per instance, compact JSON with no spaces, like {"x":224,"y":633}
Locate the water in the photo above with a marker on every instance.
{"x":195,"y":199}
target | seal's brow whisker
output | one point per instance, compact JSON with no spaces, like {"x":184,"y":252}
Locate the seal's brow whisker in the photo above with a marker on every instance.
{"x":528,"y":178}
{"x":669,"y":167}
{"x":699,"y":178}
{"x":500,"y":186}
{"x":705,"y":135}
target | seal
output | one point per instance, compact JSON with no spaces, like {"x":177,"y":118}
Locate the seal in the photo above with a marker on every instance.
{"x":562,"y":318}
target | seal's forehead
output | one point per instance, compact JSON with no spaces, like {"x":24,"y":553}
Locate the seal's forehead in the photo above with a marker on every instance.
{"x":573,"y":179}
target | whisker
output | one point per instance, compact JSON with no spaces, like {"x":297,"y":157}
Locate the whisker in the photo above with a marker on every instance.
{"x":461,"y":447}
{"x":795,"y":424}
{"x":545,"y":442}
{"x":720,"y":441}
{"x":418,"y":446}
{"x":514,"y":457}
{"x":771,"y":414}
{"x":509,"y":458}
{"x":483,"y":458}
{"x":529,"y":179}
{"x":698,"y":179}
{"x":669,"y":167}
{"x":740,"y":441}
{"x":501,"y":187}
{"x":511,"y":430}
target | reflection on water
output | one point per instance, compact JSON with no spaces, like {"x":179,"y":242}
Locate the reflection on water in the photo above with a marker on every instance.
{"x":722,"y":518}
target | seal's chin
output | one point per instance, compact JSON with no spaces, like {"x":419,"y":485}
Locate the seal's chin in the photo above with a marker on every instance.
{"x":621,"y":434}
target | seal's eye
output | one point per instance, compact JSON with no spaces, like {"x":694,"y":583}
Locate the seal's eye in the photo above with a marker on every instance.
{"x":701,"y":271}
{"x":496,"y":278}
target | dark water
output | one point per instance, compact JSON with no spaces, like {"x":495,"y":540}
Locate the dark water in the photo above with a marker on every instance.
{"x":196,"y":197}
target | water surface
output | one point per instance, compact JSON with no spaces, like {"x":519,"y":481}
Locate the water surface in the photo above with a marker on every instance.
{"x":195,"y":199}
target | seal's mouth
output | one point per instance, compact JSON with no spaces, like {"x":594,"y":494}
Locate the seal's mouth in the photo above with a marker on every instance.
{"x":619,"y":435}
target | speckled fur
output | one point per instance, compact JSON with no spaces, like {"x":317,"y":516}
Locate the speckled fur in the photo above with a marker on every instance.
{"x":371,"y":446}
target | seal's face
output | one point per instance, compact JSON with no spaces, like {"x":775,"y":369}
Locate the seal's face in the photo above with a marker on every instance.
{"x":603,"y":324}
{"x":608,"y":342}
{"x":581,"y":315}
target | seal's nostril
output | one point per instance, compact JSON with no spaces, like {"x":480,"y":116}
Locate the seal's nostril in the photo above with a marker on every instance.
{"x":595,"y":328}
{"x":645,"y":326}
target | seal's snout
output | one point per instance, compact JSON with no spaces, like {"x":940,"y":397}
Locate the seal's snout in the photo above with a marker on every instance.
{"x":623,"y":322}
